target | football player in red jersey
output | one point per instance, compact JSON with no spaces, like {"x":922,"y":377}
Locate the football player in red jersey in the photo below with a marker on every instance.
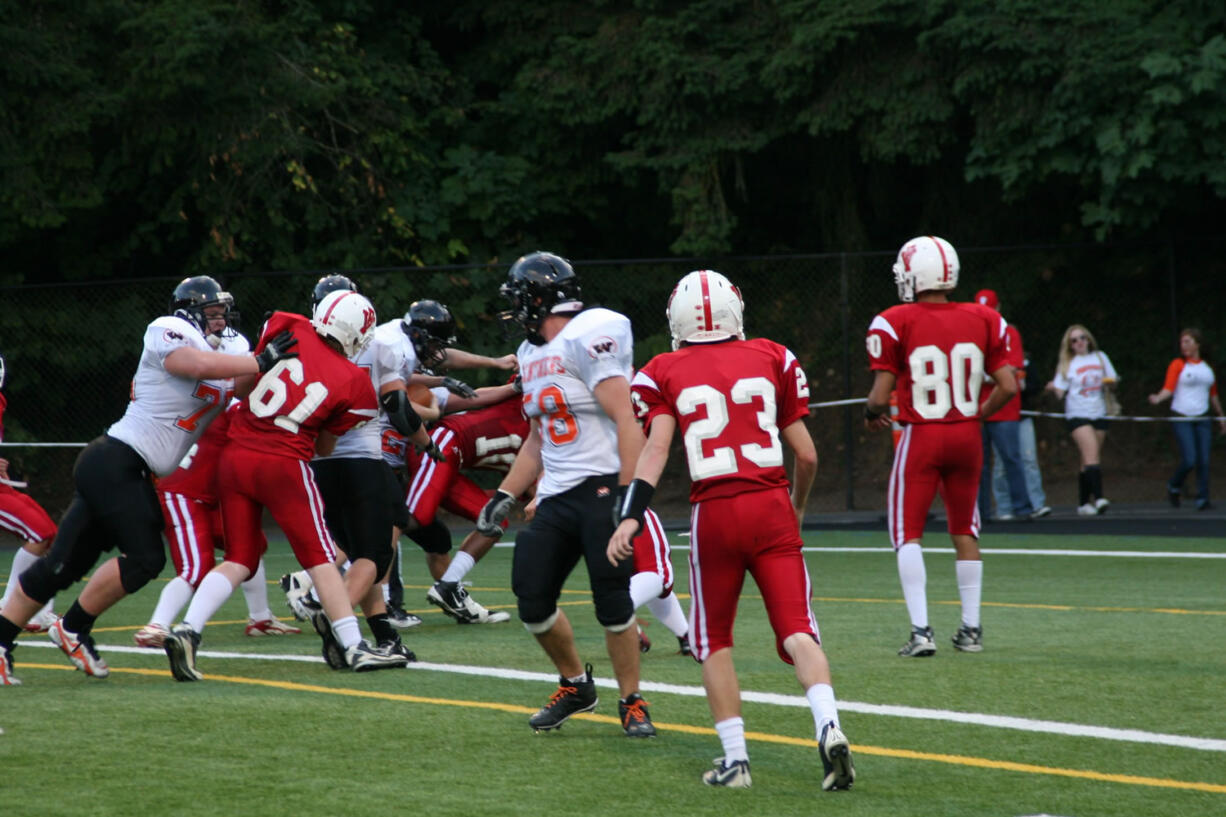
{"x":298,"y":408}
{"x":736,"y":404}
{"x":937,"y":353}
{"x":25,"y":518}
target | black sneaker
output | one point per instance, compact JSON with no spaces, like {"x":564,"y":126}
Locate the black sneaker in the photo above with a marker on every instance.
{"x":333,"y":655}
{"x":921,"y":644}
{"x":968,"y":639}
{"x":683,"y":644}
{"x":180,"y":646}
{"x":733,"y":774}
{"x":1173,"y":496}
{"x":394,"y":646}
{"x":635,"y":718}
{"x":570,"y":698}
{"x":451,"y":598}
{"x":401,"y":620}
{"x":837,"y":769}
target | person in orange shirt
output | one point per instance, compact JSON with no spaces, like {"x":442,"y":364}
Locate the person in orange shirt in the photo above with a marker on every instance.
{"x":1191,"y":387}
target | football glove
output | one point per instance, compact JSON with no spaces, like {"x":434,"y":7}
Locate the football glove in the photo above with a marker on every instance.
{"x":459,"y":388}
{"x":277,"y":350}
{"x":495,"y":512}
{"x":434,"y":452}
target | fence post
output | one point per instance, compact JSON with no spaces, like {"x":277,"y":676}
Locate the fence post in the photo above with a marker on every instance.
{"x":849,"y":437}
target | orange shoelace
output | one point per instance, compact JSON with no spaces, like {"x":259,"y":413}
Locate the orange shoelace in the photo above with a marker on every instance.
{"x":636,"y":711}
{"x":562,"y":692}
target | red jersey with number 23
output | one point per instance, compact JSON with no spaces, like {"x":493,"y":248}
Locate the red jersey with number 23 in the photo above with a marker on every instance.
{"x":292,"y":401}
{"x":730,"y":400}
{"x":939,"y":352}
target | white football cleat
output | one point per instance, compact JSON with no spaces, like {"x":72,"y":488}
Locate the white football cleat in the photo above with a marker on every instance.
{"x":151,"y":635}
{"x":41,"y":621}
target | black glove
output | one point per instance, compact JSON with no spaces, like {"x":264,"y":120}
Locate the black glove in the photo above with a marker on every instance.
{"x":276,"y":350}
{"x":489,"y":521}
{"x":434,"y":452}
{"x":517,"y":384}
{"x":459,"y":388}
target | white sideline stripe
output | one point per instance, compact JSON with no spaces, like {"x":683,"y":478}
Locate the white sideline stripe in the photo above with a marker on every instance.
{"x":1138,"y":554}
{"x":770,"y":698}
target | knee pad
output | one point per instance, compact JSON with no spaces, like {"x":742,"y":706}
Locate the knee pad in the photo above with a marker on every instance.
{"x":434,"y":538}
{"x":41,"y":581}
{"x":138,"y":569}
{"x":620,"y":628}
{"x":613,"y":605}
{"x":541,"y":626}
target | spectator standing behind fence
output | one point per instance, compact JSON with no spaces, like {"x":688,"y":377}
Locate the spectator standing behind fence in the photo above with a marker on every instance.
{"x":1000,"y":433}
{"x":1191,"y":388}
{"x":1028,"y":450}
{"x":1083,"y":373}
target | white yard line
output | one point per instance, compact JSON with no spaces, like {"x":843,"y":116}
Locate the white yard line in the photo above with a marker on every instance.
{"x":769,"y":698}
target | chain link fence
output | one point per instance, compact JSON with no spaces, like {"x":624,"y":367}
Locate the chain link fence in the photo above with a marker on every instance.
{"x":71,"y":350}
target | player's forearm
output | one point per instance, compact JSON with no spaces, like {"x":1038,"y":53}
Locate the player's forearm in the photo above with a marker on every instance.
{"x":526,"y":467}
{"x":629,"y":447}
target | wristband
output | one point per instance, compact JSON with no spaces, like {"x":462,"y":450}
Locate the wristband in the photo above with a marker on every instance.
{"x":637,"y":498}
{"x":871,"y":415}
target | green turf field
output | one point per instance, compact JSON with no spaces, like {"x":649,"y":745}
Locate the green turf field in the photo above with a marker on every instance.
{"x":1100,"y":692}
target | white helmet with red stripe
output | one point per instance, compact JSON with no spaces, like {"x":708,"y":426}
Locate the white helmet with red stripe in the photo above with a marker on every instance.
{"x":925,"y":263}
{"x":346,"y":317}
{"x":705,"y":307}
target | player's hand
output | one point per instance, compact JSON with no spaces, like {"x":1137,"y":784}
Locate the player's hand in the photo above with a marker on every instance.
{"x":621,"y":543}
{"x":876,"y":425}
{"x":530,"y":509}
{"x":4,"y":468}
{"x":277,"y":350}
{"x":434,"y":452}
{"x":495,"y":512}
{"x":517,"y":384}
{"x":506,"y":362}
{"x":459,"y":388}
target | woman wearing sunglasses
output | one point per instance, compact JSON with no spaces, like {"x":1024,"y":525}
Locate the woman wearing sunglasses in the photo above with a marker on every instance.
{"x":1082,"y":374}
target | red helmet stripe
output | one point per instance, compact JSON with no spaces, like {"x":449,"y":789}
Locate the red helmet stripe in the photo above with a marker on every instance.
{"x":328,"y":314}
{"x":706,"y":300}
{"x":944,"y":260}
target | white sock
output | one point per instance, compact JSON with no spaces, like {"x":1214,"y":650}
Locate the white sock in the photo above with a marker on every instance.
{"x":914,"y":583}
{"x":213,"y":591}
{"x":669,"y":613}
{"x":461,"y":563}
{"x":970,"y":588}
{"x":387,"y":594}
{"x":822,"y":705}
{"x":255,"y":590}
{"x":174,"y":598}
{"x":644,"y":587}
{"x":347,"y":632}
{"x":732,"y":736}
{"x":22,"y":560}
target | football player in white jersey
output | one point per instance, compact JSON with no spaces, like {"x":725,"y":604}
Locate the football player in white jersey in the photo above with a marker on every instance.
{"x":178,"y":389}
{"x":575,"y":367}
{"x":356,"y":483}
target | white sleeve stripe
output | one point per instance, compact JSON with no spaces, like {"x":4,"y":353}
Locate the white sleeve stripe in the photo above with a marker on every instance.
{"x":1003,"y":325}
{"x":641,"y":378}
{"x":883,"y":325}
{"x":365,"y":412}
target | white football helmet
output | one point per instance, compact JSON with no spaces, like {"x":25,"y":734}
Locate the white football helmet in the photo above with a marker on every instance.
{"x":346,"y":317}
{"x":705,"y":307}
{"x":925,"y":263}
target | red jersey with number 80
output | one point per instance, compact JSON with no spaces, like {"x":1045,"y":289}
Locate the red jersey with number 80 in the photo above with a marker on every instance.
{"x":292,"y":401}
{"x":730,"y":401}
{"x":939,"y":352}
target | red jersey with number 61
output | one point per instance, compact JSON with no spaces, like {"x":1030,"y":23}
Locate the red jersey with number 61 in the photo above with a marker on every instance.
{"x":292,"y":401}
{"x":939,"y":352}
{"x":730,"y":399}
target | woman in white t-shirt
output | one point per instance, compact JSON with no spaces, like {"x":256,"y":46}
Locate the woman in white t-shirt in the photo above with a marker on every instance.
{"x":1082,"y":372}
{"x":1190,"y":386}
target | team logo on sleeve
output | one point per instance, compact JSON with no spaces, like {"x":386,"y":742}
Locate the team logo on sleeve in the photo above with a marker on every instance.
{"x":603,"y":346}
{"x":171,"y":336}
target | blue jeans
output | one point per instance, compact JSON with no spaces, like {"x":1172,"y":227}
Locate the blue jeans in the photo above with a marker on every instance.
{"x":1003,"y":436}
{"x":1029,"y":453}
{"x":1193,"y":437}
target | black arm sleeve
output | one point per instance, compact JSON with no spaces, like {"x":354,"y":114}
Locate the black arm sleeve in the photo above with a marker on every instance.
{"x":400,"y":413}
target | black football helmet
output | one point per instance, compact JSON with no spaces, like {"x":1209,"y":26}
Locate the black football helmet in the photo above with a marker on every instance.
{"x":330,"y":283}
{"x":538,"y":285}
{"x":192,"y":295}
{"x":431,"y":327}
